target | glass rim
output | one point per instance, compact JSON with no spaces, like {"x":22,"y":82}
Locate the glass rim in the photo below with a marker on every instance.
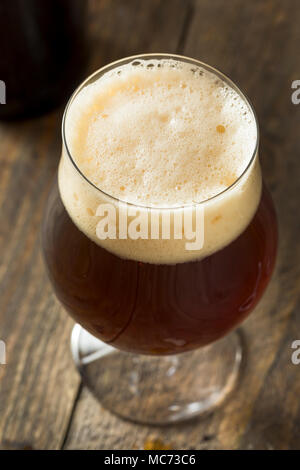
{"x":182,"y":58}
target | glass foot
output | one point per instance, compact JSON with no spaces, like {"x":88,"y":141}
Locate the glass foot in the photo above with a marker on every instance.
{"x":158,"y":389}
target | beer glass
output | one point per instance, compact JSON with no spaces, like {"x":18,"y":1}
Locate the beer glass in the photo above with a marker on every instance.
{"x":152,"y":339}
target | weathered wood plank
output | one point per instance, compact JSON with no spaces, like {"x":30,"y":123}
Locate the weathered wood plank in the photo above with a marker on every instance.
{"x":123,"y":28}
{"x":255,"y":43}
{"x":39,"y":384}
{"x":34,"y":412}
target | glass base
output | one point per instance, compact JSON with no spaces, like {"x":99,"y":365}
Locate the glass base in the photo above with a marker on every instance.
{"x":158,"y":389}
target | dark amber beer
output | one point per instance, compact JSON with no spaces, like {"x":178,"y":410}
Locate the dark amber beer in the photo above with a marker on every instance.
{"x":160,"y":134}
{"x":158,"y":309}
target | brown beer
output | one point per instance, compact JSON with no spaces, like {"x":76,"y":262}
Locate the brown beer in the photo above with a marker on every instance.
{"x":158,"y":309}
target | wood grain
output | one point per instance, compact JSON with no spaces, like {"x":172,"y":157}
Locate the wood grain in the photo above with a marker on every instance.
{"x":41,"y":402}
{"x":39,"y":384}
{"x":34,"y":412}
{"x":256,"y":44}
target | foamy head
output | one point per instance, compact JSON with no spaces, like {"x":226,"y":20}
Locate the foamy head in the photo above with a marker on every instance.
{"x":161,"y":133}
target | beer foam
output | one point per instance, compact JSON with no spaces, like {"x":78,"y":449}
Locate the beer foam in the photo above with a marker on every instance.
{"x":161,"y":133}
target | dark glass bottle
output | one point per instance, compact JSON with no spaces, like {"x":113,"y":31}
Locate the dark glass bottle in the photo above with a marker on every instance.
{"x":42,"y":53}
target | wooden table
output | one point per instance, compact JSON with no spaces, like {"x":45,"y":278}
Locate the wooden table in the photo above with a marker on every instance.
{"x":42,"y":402}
